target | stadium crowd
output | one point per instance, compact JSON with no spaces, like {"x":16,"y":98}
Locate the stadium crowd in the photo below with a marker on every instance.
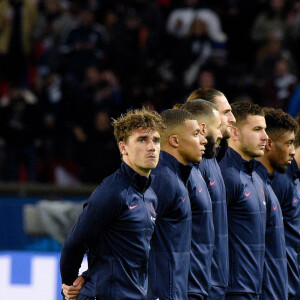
{"x":68,"y":67}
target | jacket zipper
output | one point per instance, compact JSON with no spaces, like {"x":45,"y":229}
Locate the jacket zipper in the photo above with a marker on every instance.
{"x":146,"y":210}
{"x":257,"y":194}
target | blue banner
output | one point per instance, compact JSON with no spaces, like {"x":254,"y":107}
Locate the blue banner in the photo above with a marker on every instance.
{"x":30,"y":275}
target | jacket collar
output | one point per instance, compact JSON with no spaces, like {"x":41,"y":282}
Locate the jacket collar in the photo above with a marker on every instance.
{"x":263,"y":173}
{"x":142,"y":183}
{"x":236,"y":159}
{"x":293,"y":170}
{"x":180,"y":169}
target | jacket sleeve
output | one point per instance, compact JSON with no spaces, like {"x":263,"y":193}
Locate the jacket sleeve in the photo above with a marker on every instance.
{"x":98,"y":211}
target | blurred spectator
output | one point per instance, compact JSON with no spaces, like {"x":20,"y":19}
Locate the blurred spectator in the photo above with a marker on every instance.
{"x":266,"y":57}
{"x":150,"y":15}
{"x":197,"y":32}
{"x":276,"y":20}
{"x":243,"y":98}
{"x":53,"y":127}
{"x":20,"y":130}
{"x":293,"y":19}
{"x":270,"y":21}
{"x":197,"y":48}
{"x":213,"y":23}
{"x":84,"y":45}
{"x":206,"y":79}
{"x":17,"y":21}
{"x":101,"y":155}
{"x":99,"y":91}
{"x":278,"y":90}
{"x":125,"y":51}
{"x":241,"y":85}
{"x":293,"y":14}
{"x":52,"y":25}
{"x":134,"y":48}
{"x":110,"y":22}
{"x":180,"y":19}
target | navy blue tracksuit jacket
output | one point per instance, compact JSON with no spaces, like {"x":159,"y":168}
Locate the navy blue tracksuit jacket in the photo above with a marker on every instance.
{"x":202,"y":236}
{"x":275,"y":268}
{"x":219,"y":269}
{"x":287,"y":188}
{"x":171,"y":242}
{"x":246,"y":223}
{"x":115,"y":229}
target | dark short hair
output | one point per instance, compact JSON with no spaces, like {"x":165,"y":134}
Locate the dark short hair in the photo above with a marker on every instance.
{"x":200,"y":108}
{"x":208,"y":94}
{"x":278,"y":122}
{"x":175,"y":117}
{"x":241,"y":110}
{"x":135,"y":119}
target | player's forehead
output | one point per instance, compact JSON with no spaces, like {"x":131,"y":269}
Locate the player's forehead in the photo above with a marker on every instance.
{"x":287,"y":136}
{"x":255,"y":121}
{"x":191,"y":125}
{"x":144,"y":132}
{"x":222,"y":103}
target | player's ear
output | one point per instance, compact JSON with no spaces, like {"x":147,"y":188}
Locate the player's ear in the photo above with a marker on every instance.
{"x":174,"y":141}
{"x":269,"y":144}
{"x":203,"y":129}
{"x":234,"y":133}
{"x":122,"y":148}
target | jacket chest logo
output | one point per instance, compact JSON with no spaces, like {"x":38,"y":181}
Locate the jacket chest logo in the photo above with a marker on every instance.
{"x":132,"y":207}
{"x":247,"y":194}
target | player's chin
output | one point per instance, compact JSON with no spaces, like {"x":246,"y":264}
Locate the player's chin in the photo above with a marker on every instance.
{"x":198,"y":159}
{"x":260,"y":152}
{"x":152,"y":164}
{"x":226,"y":134}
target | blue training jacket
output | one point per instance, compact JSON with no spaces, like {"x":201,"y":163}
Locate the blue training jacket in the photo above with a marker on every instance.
{"x":246,"y":210}
{"x":202,"y":236}
{"x":287,"y":188}
{"x":275,"y":268}
{"x":171,"y":242}
{"x":115,"y":229}
{"x":219,"y":269}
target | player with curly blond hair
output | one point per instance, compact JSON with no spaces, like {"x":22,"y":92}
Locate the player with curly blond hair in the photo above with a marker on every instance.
{"x":118,"y":219}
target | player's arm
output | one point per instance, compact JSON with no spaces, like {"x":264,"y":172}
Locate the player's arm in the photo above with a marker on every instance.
{"x":98,"y":211}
